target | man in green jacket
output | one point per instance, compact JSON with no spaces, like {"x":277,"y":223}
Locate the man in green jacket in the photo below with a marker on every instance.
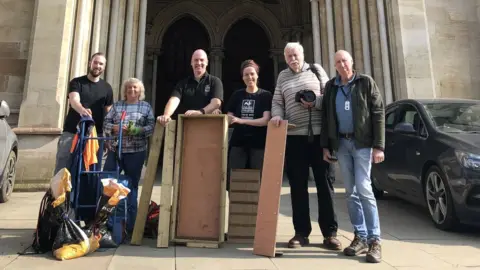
{"x":353,"y":125}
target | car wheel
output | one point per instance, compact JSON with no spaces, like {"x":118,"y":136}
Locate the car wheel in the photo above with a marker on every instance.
{"x":439,"y":199}
{"x":376,"y":191}
{"x":8,"y":177}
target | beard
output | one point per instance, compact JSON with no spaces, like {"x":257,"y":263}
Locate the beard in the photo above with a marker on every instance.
{"x":95,"y":72}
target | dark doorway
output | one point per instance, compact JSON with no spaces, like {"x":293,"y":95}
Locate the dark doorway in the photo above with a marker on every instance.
{"x":179,"y":42}
{"x":246,"y":40}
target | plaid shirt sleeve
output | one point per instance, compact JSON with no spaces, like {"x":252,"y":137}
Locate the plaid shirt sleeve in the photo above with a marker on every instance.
{"x":150,"y":123}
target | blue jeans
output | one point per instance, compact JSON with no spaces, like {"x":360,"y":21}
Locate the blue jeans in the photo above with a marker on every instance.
{"x":132,"y":164}
{"x":355,"y":165}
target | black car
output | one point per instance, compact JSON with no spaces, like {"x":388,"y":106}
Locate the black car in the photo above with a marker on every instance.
{"x":432,"y":158}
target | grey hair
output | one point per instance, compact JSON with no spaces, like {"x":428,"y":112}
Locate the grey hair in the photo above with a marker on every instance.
{"x":293,"y":45}
{"x":131,"y":81}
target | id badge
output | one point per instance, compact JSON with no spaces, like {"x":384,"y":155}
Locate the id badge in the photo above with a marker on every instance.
{"x":347,"y":105}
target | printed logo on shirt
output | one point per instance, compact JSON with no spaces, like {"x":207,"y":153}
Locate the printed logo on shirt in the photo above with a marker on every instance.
{"x":248,"y":108}
{"x":207,"y":89}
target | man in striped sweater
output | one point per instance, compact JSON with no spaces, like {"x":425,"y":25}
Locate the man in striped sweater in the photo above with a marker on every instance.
{"x":303,"y":148}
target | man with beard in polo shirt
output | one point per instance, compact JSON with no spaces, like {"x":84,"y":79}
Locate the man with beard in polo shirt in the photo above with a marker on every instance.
{"x":201,"y":93}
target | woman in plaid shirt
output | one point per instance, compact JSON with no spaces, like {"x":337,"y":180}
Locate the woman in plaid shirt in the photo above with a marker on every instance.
{"x":138,"y":126}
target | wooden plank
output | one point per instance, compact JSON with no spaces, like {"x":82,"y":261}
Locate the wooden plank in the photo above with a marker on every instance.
{"x":243,"y":198}
{"x":176,"y":178}
{"x":244,"y":175}
{"x":199,"y":188}
{"x":167,"y":184}
{"x":269,"y":200}
{"x":147,"y":187}
{"x":202,"y":245}
{"x":242,"y":220}
{"x":236,"y":209}
{"x":244,"y":187}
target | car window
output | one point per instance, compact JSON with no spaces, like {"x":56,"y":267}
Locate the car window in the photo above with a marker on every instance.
{"x":455,"y":117}
{"x":409,"y":114}
{"x":390,"y":119}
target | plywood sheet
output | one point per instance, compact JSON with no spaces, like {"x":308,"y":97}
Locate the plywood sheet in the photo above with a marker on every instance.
{"x":201,"y":185}
{"x":269,"y":199}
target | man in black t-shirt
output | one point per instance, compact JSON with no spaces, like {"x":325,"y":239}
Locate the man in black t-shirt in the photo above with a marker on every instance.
{"x":88,"y":95}
{"x":201,"y":93}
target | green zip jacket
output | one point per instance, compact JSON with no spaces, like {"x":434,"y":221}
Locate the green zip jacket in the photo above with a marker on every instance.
{"x":368,"y":114}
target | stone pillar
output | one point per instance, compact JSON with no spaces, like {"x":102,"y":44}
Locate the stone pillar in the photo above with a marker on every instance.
{"x":112,"y":45}
{"x":317,"y":52}
{"x":277,"y":56}
{"x":347,"y":33}
{"x":216,"y":56}
{"x":127,"y":50}
{"x":141,"y":40}
{"x":367,"y":65}
{"x":414,"y":55}
{"x":385,"y":52}
{"x":154,"y":82}
{"x":331,"y":38}
{"x":43,"y":107}
{"x":97,"y":26}
{"x":81,"y":43}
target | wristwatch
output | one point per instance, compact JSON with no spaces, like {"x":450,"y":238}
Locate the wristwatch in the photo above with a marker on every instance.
{"x":202,"y":110}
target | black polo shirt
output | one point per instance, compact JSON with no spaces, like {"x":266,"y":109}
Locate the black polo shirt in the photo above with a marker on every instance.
{"x":195,"y":95}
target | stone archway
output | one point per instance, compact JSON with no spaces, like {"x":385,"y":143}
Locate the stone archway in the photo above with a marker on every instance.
{"x":170,"y":14}
{"x":246,"y":40}
{"x":180,"y":40}
{"x":258,"y":14}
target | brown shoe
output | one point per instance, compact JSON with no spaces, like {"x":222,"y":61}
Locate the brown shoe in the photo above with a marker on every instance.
{"x":332,"y":243}
{"x":357,"y":247}
{"x":298,"y":241}
{"x":374,"y":254}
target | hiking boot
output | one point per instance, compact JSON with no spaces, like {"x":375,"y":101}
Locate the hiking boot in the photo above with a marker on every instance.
{"x":332,"y":243}
{"x":357,"y":247}
{"x":374,"y":254}
{"x":298,"y":241}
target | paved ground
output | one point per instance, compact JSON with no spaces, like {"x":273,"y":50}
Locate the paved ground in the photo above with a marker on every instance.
{"x":410,"y":242}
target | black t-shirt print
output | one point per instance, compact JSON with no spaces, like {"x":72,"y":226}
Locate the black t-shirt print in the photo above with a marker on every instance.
{"x":247,"y":105}
{"x":94,"y":96}
{"x":195,"y":95}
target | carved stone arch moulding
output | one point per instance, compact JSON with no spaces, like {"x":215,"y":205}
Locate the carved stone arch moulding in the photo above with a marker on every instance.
{"x":170,"y":14}
{"x":257,"y":13}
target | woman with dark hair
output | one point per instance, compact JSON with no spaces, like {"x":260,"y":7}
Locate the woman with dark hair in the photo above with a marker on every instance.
{"x":249,"y":112}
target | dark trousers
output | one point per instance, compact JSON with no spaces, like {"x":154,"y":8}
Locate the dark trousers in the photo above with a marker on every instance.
{"x":244,"y":158}
{"x":299,"y":156}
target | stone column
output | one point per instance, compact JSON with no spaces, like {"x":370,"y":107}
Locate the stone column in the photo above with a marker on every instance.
{"x":154,"y":81}
{"x":82,"y":38}
{"x":347,"y":34}
{"x":112,"y":45}
{"x":367,"y":65}
{"x":385,"y":52}
{"x":277,"y":56}
{"x":97,"y":26}
{"x":127,"y":49}
{"x":414,"y":55}
{"x":141,"y":40}
{"x":217,"y":55}
{"x":317,"y":53}
{"x":43,"y":106}
{"x":331,"y":38}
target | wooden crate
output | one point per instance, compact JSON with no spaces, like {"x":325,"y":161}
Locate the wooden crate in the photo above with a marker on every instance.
{"x":198,"y":210}
{"x":244,"y":189}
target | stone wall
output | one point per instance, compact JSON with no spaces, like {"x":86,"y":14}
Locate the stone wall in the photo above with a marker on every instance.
{"x":454,"y":30}
{"x":15,"y":28}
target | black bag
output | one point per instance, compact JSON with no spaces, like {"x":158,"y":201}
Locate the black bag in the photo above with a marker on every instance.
{"x":48,"y":224}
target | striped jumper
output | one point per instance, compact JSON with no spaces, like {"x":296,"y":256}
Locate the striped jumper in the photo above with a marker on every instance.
{"x":284,"y":105}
